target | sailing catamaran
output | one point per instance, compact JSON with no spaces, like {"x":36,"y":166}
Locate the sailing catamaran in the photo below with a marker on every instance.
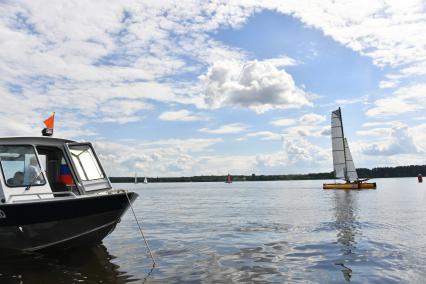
{"x":343,"y":163}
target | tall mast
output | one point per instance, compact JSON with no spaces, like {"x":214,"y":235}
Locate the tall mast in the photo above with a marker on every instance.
{"x":344,"y":146}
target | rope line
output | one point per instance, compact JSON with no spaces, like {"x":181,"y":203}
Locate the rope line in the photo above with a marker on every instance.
{"x":140,"y":229}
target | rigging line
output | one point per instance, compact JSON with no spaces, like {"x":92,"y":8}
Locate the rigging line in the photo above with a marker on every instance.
{"x":140,"y":229}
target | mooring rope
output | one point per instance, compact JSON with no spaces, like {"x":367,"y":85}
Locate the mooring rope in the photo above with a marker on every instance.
{"x":140,"y":229}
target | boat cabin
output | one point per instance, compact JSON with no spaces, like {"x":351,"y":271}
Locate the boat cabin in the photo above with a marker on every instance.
{"x":43,"y":167}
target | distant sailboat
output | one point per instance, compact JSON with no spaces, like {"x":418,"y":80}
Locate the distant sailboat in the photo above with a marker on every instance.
{"x":145,"y":180}
{"x":344,"y":167}
{"x":229,"y":179}
{"x":136,"y":177}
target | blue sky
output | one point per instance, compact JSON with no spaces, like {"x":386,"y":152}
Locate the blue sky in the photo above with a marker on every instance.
{"x":173,"y":89}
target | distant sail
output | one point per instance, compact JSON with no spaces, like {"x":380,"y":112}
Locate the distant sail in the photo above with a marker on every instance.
{"x":229,"y":179}
{"x":145,"y":180}
{"x":343,"y":164}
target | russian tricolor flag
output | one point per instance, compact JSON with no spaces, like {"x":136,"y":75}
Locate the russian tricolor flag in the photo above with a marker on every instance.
{"x":65,"y":176}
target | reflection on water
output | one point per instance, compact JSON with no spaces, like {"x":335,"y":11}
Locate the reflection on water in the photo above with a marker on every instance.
{"x":82,"y":265}
{"x":253,"y":232}
{"x":346,"y":226}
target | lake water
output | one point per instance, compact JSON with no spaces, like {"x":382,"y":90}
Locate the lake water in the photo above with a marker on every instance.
{"x":256,"y":232}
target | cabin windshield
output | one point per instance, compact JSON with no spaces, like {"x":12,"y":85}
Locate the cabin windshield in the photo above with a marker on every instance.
{"x":20,"y":166}
{"x":85,"y":161}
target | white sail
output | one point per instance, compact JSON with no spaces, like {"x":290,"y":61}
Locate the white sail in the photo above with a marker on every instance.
{"x":350,"y":166}
{"x":343,"y":164}
{"x":337,"y":145}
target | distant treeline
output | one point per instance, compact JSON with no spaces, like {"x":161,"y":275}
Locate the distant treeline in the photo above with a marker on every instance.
{"x":385,"y":172}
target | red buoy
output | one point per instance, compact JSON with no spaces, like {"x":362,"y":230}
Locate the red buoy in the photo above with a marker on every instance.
{"x":420,"y":177}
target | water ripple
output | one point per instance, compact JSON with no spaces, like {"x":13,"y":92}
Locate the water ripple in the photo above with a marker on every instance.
{"x":268,"y":232}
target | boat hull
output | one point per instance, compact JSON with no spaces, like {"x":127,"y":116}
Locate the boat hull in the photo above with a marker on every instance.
{"x":348,"y":186}
{"x":61,"y":223}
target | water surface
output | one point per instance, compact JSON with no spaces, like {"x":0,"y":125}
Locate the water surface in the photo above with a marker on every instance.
{"x":265,"y":232}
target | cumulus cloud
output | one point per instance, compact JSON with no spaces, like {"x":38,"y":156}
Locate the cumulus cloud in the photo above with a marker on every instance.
{"x":226,"y":129}
{"x":154,"y":158}
{"x":171,"y":157}
{"x":297,"y":156}
{"x":312,"y":119}
{"x":404,"y":100}
{"x":283,"y":121}
{"x":91,"y":60}
{"x":399,"y":141}
{"x":265,"y":135}
{"x":80,"y":56}
{"x":309,"y":125}
{"x":66,"y":51}
{"x":300,"y":150}
{"x":256,"y":85}
{"x":382,"y":123}
{"x":179,"y":115}
{"x":282,"y":61}
{"x":419,"y":137}
{"x":128,"y":110}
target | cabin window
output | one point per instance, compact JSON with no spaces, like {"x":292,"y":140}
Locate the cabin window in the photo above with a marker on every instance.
{"x":20,"y":166}
{"x":85,"y":162}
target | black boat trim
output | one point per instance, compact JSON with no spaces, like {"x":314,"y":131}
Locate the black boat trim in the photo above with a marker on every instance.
{"x":19,"y":213}
{"x":70,"y":238}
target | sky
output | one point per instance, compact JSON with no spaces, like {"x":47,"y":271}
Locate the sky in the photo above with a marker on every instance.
{"x":183,"y":88}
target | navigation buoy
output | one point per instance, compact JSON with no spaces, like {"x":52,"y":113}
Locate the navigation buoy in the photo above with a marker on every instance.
{"x":420,"y":177}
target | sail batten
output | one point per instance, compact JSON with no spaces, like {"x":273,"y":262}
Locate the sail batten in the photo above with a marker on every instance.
{"x":343,"y":164}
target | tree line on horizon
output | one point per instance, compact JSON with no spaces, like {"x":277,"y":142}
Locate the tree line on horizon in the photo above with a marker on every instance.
{"x":380,"y":172}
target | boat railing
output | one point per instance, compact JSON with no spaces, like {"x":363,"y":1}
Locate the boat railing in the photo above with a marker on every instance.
{"x":44,"y":196}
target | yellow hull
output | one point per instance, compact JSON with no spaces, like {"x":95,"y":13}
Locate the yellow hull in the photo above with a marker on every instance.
{"x":352,"y":185}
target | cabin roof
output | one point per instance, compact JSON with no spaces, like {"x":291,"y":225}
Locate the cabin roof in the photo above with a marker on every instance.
{"x":38,"y":141}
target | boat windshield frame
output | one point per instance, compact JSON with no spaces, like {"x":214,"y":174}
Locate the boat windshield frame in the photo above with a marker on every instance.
{"x":41,"y":169}
{"x":89,"y":185}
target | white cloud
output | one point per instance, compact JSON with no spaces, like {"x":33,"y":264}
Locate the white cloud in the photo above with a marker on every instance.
{"x":282,"y":61}
{"x":312,"y":119}
{"x":308,"y":131}
{"x":226,"y":129}
{"x":69,"y":53}
{"x":342,"y":102}
{"x":129,"y":110}
{"x":256,"y":85}
{"x":382,"y":123}
{"x":265,"y":135}
{"x":387,"y":84}
{"x":180,"y":115}
{"x":418,"y":133}
{"x":399,"y":141}
{"x":103,"y":62}
{"x":374,"y":133}
{"x":304,"y":154}
{"x":283,"y":122}
{"x":170,"y":157}
{"x":79,"y":56}
{"x":404,"y":100}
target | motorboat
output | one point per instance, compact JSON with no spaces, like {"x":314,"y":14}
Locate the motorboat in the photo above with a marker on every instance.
{"x":54,"y":194}
{"x":343,"y":164}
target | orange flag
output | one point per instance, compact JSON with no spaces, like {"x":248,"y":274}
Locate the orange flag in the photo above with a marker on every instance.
{"x":50,"y":121}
